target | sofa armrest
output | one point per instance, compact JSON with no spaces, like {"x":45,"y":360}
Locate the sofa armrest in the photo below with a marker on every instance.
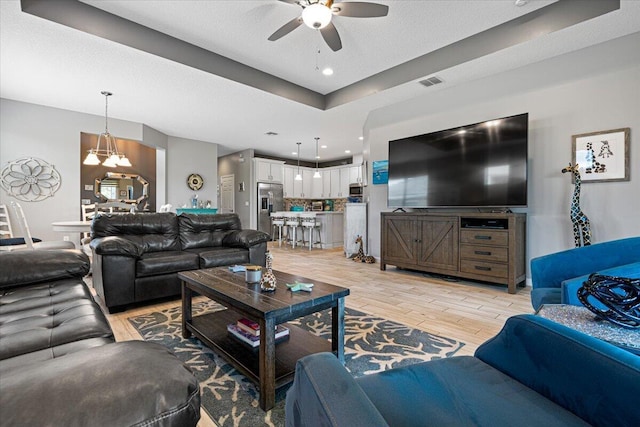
{"x":245,"y":238}
{"x":126,"y":383}
{"x":114,"y":245}
{"x":324,"y":393}
{"x":33,"y":266}
{"x":591,"y":378}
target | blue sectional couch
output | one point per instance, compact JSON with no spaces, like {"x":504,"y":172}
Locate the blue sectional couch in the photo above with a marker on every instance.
{"x":557,"y":277}
{"x":533,"y":373}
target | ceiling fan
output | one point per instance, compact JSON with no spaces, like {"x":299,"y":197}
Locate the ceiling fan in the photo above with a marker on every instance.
{"x":317,"y":14}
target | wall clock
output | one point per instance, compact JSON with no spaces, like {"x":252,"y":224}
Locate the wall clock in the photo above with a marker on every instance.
{"x":195,"y":181}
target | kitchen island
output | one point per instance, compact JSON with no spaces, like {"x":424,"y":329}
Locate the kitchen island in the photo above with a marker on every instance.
{"x":331,"y":228}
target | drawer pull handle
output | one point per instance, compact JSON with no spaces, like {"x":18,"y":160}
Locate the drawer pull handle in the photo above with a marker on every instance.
{"x":482,"y":237}
{"x":482,"y":253}
{"x":478,"y":267}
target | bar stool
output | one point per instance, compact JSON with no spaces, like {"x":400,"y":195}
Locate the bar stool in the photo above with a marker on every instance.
{"x":292,"y":222}
{"x":277,"y":220}
{"x":308,"y":222}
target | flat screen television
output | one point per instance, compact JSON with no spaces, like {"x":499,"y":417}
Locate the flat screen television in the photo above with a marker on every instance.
{"x":478,"y":165}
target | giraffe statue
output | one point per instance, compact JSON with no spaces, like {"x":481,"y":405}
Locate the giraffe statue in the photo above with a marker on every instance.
{"x":360,"y":256}
{"x":581,"y":225}
{"x":268,"y":279}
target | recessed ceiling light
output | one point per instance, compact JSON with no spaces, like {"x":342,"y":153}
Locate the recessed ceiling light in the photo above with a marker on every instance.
{"x":317,"y":157}
{"x":347,"y":151}
{"x":323,"y":146}
{"x":327,"y":71}
{"x":361,"y":138}
{"x":520,"y":2}
{"x":294,"y":152}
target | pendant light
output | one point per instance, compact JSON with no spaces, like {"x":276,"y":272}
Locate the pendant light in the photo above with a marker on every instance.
{"x":113,"y":158}
{"x":298,"y":176}
{"x":317,"y":173}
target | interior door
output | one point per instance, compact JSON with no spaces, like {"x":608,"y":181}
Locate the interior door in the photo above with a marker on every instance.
{"x":227,"y":195}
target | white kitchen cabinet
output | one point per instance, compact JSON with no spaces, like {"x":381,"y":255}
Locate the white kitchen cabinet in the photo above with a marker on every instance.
{"x":268,"y":170}
{"x":345,"y":180}
{"x":335,"y":183}
{"x":317,"y":188}
{"x":326,"y":183}
{"x":307,"y":181}
{"x":289,"y":175}
{"x":355,"y":174}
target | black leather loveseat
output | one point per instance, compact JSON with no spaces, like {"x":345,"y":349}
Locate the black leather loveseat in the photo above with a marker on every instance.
{"x":60,"y":364}
{"x":137,"y":257}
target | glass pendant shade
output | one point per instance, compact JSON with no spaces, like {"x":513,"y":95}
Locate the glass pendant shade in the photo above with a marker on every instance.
{"x":124,"y":161}
{"x":91,"y":159}
{"x":316,"y":16}
{"x":317,"y":174}
{"x":298,"y":177}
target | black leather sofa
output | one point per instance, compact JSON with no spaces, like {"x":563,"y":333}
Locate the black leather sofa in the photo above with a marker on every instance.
{"x":137,"y":257}
{"x":60,"y":364}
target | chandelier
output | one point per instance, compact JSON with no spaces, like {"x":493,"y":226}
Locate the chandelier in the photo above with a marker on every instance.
{"x":112,"y":157}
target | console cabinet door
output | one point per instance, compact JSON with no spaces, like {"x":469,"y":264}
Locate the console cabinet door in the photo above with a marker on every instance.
{"x":438,"y":242}
{"x":400,"y":240}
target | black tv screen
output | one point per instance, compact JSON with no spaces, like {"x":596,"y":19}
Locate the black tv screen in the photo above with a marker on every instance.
{"x":478,"y":165}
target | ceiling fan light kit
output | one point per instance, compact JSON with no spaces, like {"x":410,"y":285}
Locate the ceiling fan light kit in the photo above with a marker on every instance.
{"x":317,"y":14}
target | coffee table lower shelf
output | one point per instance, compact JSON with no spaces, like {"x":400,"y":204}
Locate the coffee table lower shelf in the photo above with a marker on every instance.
{"x":211,"y":329}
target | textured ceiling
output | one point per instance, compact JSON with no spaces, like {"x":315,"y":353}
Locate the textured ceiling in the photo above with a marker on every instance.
{"x":50,"y":64}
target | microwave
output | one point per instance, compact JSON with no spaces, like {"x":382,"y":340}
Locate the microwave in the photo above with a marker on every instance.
{"x":355,"y":190}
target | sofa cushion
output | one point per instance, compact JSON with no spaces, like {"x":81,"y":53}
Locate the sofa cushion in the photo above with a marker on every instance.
{"x":216,"y":257}
{"x":459,"y":391}
{"x":150,"y":232}
{"x":201,"y":231}
{"x":41,"y":266}
{"x":120,"y":384}
{"x":570,"y":286}
{"x":155,"y":263}
{"x":48,"y":315}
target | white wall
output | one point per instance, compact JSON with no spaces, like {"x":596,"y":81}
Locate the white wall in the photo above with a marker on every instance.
{"x":51,"y":134}
{"x":187,"y":156}
{"x":241,"y":167}
{"x":607,"y":100}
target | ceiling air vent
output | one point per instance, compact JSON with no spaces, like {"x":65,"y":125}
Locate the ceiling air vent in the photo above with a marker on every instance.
{"x":270,"y":133}
{"x":431,"y":81}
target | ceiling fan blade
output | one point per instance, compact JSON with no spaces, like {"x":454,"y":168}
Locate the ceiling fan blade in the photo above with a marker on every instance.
{"x":289,"y":1}
{"x":358,"y":9}
{"x":286,"y":29}
{"x":331,"y":36}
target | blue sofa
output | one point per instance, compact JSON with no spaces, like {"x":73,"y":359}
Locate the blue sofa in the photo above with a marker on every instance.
{"x":557,"y":277}
{"x":533,"y":373}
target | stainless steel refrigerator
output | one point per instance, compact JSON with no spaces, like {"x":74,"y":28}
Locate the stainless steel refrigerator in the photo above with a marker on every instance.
{"x":270,"y":199}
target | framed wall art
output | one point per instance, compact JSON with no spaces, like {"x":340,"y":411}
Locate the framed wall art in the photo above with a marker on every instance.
{"x":602,"y":156}
{"x":380,"y":172}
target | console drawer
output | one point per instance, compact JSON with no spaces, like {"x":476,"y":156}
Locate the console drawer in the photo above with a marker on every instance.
{"x":484,"y":237}
{"x":484,"y":268}
{"x":484,"y":253}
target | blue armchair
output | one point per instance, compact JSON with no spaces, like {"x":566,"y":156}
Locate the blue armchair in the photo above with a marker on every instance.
{"x":556,"y":277}
{"x":533,"y":373}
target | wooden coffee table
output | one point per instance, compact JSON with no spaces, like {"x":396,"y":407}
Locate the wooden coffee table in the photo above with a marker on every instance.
{"x":272,"y":365}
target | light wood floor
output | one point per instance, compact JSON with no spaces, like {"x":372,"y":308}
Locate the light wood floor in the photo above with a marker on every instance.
{"x":462,"y":310}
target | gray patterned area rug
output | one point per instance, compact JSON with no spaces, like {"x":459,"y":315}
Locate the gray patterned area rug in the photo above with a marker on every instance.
{"x":372,"y":344}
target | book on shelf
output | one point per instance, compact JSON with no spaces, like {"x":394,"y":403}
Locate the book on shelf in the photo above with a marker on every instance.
{"x":249,"y":326}
{"x":253,"y":341}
